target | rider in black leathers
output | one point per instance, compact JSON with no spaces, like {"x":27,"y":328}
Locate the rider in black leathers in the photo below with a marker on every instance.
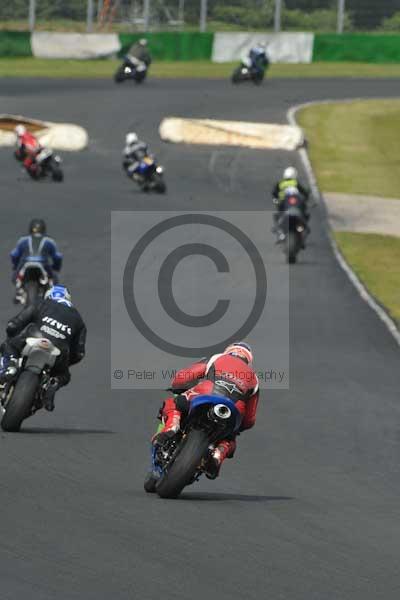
{"x":57,"y":320}
{"x":140,"y":51}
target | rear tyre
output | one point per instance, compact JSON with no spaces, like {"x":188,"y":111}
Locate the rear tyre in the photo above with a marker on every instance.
{"x":182,"y":471}
{"x":21,"y":402}
{"x":32,"y":291}
{"x":293,"y":247}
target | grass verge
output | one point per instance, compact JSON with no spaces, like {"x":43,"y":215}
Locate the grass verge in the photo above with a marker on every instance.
{"x":354,"y":146}
{"x":37,"y":67}
{"x":375,"y":259}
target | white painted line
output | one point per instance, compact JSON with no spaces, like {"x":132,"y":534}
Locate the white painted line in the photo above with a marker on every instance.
{"x":361,"y":289}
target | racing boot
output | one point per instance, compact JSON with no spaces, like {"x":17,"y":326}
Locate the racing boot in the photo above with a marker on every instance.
{"x":171,"y":423}
{"x":8,"y":368}
{"x":48,"y":398}
{"x":225,"y":449}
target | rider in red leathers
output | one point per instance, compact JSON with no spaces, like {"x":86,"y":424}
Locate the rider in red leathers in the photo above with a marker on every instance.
{"x":228,"y":374}
{"x":28,"y":147}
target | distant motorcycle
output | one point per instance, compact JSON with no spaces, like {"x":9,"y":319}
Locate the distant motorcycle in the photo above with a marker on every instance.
{"x":46,"y":164}
{"x":148,"y":175}
{"x":182,"y":460}
{"x":23,"y":394}
{"x":292,"y":228}
{"x":247,"y":72}
{"x":32,"y":281}
{"x":131,"y":68}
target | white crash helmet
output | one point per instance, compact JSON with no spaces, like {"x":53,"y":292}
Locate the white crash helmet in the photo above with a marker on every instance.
{"x":290,"y":173}
{"x":20,"y":130}
{"x":131,"y":138}
{"x":142,"y":42}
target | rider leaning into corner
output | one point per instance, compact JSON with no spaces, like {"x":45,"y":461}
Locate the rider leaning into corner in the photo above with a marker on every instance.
{"x":290,"y":179}
{"x":27,"y":147}
{"x":36,"y":244}
{"x":258,"y":57}
{"x":56,"y":319}
{"x":140,"y":51}
{"x":228,"y":374}
{"x":134,"y":152}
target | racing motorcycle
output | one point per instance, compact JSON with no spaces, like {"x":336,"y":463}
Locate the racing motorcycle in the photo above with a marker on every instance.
{"x":27,"y":382}
{"x":32,"y":281}
{"x":46,"y":163}
{"x":246,"y":72}
{"x":131,"y":68}
{"x":148,"y":175}
{"x":182,"y":460}
{"x":292,"y":226}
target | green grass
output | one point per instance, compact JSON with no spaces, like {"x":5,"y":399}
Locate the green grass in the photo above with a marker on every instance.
{"x":376,"y":260}
{"x":37,"y":67}
{"x":354,"y":147}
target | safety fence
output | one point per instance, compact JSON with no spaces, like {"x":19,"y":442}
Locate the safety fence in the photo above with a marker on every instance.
{"x":218,"y":47}
{"x":316,"y":16}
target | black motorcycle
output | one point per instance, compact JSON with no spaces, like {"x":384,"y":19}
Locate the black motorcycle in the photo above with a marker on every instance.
{"x":27,"y":382}
{"x":131,"y":68}
{"x":247,"y":72}
{"x":292,"y":226}
{"x":32,"y":281}
{"x":46,"y":164}
{"x":182,"y":460}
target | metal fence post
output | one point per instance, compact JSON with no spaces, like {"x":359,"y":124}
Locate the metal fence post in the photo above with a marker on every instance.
{"x":340,"y":16}
{"x":203,"y":15}
{"x":89,"y":16}
{"x":278,"y":15}
{"x":146,"y":14}
{"x":32,"y":14}
{"x":181,"y":11}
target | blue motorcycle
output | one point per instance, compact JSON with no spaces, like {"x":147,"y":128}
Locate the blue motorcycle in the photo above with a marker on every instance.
{"x":182,"y":460}
{"x":148,"y":175}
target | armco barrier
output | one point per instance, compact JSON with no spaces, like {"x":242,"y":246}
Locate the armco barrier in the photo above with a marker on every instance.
{"x":369,"y":48}
{"x":15,"y":43}
{"x":192,"y":46}
{"x":173,"y":45}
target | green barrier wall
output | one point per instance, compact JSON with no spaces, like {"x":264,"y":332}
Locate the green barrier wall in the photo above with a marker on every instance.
{"x":173,"y":45}
{"x":369,"y":48}
{"x":15,"y":43}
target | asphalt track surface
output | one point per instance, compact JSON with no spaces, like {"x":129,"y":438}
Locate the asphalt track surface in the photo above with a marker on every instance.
{"x":309,"y":507}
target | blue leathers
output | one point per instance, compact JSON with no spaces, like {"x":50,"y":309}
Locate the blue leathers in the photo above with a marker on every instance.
{"x":37,"y":248}
{"x":258,"y":57}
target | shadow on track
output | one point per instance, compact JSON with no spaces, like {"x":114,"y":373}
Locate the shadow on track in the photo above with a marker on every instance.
{"x":216,"y":497}
{"x":61,"y":431}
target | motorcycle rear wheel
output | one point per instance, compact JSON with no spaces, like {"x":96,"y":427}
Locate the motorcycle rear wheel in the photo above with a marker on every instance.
{"x":32,"y":291}
{"x":20,"y":404}
{"x":182,"y":471}
{"x":293,"y":247}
